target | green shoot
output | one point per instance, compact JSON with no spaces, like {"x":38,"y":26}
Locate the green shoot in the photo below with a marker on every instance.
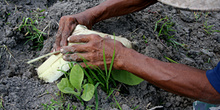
{"x":89,"y":107}
{"x":197,"y":15}
{"x":111,"y":65}
{"x":1,"y":103}
{"x":165,"y":32}
{"x":208,"y":28}
{"x":31,"y":32}
{"x":145,"y":39}
{"x":96,"y":97}
{"x":117,"y":103}
{"x":53,"y":105}
{"x":169,"y":59}
{"x":136,"y":107}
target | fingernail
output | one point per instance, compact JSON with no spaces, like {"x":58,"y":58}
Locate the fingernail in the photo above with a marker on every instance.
{"x":54,"y":50}
{"x":61,"y":50}
{"x":74,"y":57}
{"x":68,"y":39}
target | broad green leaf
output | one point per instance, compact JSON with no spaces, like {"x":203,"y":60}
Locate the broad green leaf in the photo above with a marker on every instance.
{"x":126,"y":77}
{"x":65,"y":87}
{"x":76,"y":77}
{"x":88,"y":92}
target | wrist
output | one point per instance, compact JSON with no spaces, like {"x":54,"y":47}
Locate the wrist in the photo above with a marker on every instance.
{"x":126,"y":58}
{"x":85,"y":18}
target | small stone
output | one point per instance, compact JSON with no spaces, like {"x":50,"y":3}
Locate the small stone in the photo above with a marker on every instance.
{"x":8,"y":32}
{"x":218,"y":39}
{"x":125,"y":107}
{"x":168,"y":104}
{"x":160,"y":46}
{"x":146,"y":17}
{"x":207,"y":52}
{"x":114,"y":109}
{"x":3,"y":89}
{"x":189,"y":60}
{"x":187,"y":16}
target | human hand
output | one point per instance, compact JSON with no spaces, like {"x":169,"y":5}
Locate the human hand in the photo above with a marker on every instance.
{"x":92,"y":50}
{"x":67,"y":25}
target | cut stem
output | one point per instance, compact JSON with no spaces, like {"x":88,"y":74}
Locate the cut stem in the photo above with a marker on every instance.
{"x":43,"y":56}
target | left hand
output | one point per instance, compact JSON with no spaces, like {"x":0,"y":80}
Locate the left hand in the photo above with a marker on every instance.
{"x":92,"y":50}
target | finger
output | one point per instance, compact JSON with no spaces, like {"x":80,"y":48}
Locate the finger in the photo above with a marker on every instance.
{"x":69,"y":28}
{"x":58,"y":36}
{"x":76,"y":48}
{"x":93,"y":65}
{"x":76,"y":57}
{"x":83,"y":38}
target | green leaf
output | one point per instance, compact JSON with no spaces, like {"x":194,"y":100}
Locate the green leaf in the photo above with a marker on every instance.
{"x":76,"y":77}
{"x":126,"y":77}
{"x":88,"y":92}
{"x":65,"y":87}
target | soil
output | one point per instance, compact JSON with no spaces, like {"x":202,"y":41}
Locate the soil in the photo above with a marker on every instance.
{"x":20,"y":88}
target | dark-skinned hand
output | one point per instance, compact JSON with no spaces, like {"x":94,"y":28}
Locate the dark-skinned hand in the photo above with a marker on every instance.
{"x":92,"y":50}
{"x":67,"y":25}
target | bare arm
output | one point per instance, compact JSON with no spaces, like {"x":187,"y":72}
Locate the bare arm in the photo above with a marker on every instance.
{"x":176,"y":78}
{"x":112,"y":8}
{"x":105,"y":10}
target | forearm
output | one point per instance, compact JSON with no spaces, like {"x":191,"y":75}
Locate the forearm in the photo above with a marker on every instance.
{"x":112,"y":8}
{"x":176,"y":78}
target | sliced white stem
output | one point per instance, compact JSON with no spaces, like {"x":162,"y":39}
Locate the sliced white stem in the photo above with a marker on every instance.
{"x":40,"y":57}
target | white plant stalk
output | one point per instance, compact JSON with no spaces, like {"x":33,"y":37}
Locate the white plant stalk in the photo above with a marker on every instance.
{"x":48,"y":71}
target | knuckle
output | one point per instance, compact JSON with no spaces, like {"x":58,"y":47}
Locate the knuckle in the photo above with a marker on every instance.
{"x":65,"y":34}
{"x":62,"y":18}
{"x":74,"y":57}
{"x":93,"y":57}
{"x":94,"y":36}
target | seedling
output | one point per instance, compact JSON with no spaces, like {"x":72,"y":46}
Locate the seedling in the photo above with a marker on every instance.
{"x":165,"y":32}
{"x":136,"y":107}
{"x":208,"y":28}
{"x":118,"y":105}
{"x":197,"y":15}
{"x":31,"y":32}
{"x":1,"y":103}
{"x":57,"y":104}
{"x":145,"y":39}
{"x":53,"y":105}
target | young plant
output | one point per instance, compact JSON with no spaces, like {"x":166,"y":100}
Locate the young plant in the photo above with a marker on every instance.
{"x":74,"y":84}
{"x":31,"y":32}
{"x":56,"y":105}
{"x":145,"y":39}
{"x":165,"y":32}
{"x":118,"y":105}
{"x":208,"y":28}
{"x":197,"y":15}
{"x":1,"y":103}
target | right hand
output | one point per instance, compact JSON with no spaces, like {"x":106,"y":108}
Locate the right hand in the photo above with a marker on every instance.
{"x":92,"y":51}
